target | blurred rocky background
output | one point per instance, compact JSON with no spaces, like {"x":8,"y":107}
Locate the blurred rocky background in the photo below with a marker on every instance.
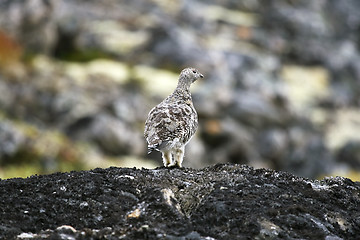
{"x":281,"y":87}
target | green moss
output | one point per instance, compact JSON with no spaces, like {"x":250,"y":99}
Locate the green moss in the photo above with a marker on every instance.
{"x":29,"y":169}
{"x":23,"y":170}
{"x":82,"y":56}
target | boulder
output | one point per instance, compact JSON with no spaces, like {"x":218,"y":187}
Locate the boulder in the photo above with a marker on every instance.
{"x":224,"y":201}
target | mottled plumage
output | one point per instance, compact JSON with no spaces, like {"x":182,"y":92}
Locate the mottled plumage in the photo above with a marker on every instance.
{"x":171,"y":124}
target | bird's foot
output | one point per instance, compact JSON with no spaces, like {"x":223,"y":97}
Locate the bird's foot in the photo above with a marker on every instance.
{"x":173,"y":165}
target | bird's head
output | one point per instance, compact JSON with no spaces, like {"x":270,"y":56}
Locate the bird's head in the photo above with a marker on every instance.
{"x":190,"y":75}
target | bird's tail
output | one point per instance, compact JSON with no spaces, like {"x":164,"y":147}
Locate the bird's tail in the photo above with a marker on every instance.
{"x":152,"y":148}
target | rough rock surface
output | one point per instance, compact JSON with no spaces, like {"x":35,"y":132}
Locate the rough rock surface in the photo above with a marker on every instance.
{"x":224,"y":201}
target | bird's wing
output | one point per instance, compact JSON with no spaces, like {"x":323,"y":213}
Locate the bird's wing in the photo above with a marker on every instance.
{"x":169,"y":121}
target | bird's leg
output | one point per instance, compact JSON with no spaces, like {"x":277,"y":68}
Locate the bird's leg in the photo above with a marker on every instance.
{"x":166,"y":158}
{"x":179,"y":156}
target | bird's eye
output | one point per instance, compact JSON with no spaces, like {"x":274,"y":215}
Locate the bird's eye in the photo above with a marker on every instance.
{"x":194,"y":71}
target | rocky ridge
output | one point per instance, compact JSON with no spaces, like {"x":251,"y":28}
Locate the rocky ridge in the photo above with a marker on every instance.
{"x":224,"y":201}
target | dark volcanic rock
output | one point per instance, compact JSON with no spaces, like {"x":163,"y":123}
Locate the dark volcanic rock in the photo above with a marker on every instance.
{"x":217,"y":202}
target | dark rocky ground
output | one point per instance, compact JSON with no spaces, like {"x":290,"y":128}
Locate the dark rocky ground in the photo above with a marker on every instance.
{"x":224,"y":201}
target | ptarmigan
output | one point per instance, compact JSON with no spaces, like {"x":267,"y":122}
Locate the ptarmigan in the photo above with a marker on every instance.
{"x":171,"y":124}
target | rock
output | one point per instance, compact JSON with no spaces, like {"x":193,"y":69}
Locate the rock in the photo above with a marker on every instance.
{"x":344,"y":128}
{"x":220,"y":14}
{"x":115,"y":137}
{"x":26,"y":149}
{"x":308,"y":155}
{"x":11,"y":141}
{"x":224,"y":201}
{"x":255,"y":110}
{"x":31,"y":23}
{"x":274,"y":144}
{"x":350,"y":154}
{"x":305,"y":85}
{"x":156,"y":82}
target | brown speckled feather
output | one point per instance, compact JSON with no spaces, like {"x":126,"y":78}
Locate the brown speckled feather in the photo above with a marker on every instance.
{"x":171,"y":124}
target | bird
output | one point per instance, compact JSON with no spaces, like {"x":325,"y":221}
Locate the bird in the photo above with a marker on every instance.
{"x":172,"y":123}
